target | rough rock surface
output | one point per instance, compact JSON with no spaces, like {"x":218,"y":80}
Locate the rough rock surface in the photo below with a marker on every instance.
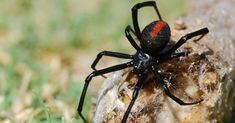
{"x":206,"y":73}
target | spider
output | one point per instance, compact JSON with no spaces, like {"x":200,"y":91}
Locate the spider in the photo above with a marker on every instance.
{"x":153,"y":50}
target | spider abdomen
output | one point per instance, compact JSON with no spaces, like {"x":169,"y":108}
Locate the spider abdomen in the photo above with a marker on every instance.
{"x":155,"y":36}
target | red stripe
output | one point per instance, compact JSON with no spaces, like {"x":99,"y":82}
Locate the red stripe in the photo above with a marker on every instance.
{"x":157,"y":27}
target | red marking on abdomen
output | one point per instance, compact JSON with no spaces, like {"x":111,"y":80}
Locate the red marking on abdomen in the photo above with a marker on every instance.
{"x":157,"y":27}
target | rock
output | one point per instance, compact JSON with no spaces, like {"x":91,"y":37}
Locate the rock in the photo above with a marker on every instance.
{"x":206,"y":73}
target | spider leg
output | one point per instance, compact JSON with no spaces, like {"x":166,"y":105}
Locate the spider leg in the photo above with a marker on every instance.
{"x":134,"y":96}
{"x":135,"y":15}
{"x":158,"y":77}
{"x":172,"y":56}
{"x":185,"y":38}
{"x":97,"y":73}
{"x":109,"y":53}
{"x":129,"y":37}
{"x":179,"y":54}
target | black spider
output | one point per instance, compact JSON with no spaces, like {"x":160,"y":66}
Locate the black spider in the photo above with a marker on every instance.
{"x":153,"y":50}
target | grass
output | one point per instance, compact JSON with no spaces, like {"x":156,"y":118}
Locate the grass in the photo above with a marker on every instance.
{"x":46,"y":48}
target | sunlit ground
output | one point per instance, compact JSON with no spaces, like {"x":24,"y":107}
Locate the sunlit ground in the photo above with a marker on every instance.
{"x":47,"y":47}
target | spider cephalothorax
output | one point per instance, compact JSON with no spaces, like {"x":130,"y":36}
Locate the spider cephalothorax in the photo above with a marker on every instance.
{"x":151,"y":52}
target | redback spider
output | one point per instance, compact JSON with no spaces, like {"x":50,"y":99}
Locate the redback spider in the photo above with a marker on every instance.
{"x":153,"y":50}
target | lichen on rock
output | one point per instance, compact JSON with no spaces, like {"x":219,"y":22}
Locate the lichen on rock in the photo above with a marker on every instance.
{"x":190,"y":78}
{"x":206,"y":73}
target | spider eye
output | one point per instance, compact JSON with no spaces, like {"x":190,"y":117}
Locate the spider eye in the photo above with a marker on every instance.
{"x":155,"y":36}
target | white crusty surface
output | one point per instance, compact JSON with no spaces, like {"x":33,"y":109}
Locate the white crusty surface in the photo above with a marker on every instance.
{"x":207,"y":73}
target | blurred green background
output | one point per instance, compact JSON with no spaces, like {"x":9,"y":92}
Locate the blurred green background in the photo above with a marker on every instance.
{"x":47,"y":47}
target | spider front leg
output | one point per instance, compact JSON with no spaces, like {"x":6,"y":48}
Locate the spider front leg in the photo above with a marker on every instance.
{"x":135,"y":15}
{"x":134,"y":96}
{"x":129,"y":37}
{"x":109,"y":53}
{"x":97,"y":73}
{"x":159,"y":78}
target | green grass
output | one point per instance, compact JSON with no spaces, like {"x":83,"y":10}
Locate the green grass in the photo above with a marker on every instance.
{"x":42,"y":39}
